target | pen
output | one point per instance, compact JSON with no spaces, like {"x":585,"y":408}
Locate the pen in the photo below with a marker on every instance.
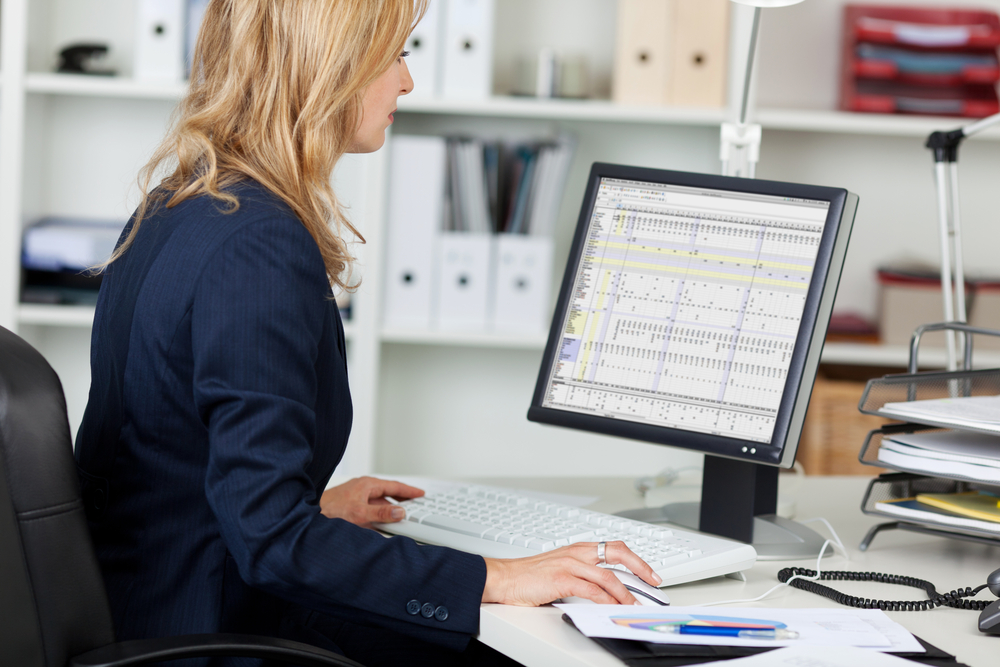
{"x":741,"y":633}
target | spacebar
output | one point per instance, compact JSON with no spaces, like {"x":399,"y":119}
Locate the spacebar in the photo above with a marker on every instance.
{"x":454,"y":525}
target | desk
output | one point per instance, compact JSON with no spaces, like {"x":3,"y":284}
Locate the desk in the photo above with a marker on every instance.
{"x":540,"y":637}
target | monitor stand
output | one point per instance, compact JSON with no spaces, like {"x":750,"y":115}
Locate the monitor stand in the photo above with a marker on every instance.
{"x":738,"y":501}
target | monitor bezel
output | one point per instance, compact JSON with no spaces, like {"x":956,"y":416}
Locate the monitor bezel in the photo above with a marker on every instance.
{"x":773,"y":453}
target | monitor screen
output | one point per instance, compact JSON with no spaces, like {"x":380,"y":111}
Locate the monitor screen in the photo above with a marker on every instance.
{"x":693,"y":310}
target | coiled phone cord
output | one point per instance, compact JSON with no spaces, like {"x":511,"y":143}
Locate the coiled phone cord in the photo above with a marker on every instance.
{"x":935,"y":599}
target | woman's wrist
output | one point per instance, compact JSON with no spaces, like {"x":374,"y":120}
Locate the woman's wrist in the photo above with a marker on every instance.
{"x":497,"y":575}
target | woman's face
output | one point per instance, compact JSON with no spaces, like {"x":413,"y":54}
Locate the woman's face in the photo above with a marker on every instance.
{"x":378,"y":105}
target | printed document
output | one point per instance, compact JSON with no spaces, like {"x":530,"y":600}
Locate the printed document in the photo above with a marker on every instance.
{"x":868,"y":628}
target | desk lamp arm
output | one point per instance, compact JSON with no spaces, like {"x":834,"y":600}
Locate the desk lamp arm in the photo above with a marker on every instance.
{"x":945,"y":147}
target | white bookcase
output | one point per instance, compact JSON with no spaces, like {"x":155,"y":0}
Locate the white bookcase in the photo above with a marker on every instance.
{"x":448,"y":404}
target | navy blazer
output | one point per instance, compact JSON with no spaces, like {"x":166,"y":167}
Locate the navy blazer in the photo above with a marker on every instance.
{"x":219,"y":407}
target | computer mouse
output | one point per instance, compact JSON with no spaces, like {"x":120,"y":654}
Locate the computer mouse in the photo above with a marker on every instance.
{"x":643,"y":592}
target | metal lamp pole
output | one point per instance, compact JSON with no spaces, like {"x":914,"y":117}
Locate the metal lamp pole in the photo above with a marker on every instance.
{"x":945,"y":147}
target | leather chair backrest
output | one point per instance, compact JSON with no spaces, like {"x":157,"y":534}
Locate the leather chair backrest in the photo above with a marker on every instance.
{"x":52,"y":599}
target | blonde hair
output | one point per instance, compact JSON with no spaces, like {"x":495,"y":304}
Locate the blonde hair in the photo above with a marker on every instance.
{"x":275,"y":96}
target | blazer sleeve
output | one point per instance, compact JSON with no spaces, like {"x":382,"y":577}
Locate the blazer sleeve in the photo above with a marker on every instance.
{"x":257,"y":322}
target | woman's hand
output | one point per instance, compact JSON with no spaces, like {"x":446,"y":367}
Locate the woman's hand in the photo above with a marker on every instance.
{"x":568,"y":571}
{"x":362,"y":501}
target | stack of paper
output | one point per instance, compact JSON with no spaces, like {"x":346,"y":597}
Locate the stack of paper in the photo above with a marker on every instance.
{"x":979,"y":413}
{"x":966,"y":454}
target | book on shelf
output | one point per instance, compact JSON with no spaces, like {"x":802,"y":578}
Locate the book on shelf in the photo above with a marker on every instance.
{"x":965,"y":454}
{"x":911,"y":508}
{"x":979,"y":413}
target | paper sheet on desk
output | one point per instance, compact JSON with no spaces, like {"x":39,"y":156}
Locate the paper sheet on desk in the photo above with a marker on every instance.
{"x":820,"y":656}
{"x":869,"y":628}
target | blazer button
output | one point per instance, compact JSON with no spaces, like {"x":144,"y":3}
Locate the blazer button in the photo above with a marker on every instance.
{"x":427,"y":610}
{"x":441,"y":613}
{"x":413,"y":607}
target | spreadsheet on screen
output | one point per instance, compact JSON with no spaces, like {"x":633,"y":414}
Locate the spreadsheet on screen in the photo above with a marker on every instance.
{"x":686,"y":306}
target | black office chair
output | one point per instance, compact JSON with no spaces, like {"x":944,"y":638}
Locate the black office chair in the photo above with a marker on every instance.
{"x":53,"y":607}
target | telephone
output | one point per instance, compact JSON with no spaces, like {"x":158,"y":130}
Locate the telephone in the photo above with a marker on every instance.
{"x":989,"y":617}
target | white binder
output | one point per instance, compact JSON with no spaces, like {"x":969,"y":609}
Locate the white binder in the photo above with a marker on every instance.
{"x":468,"y":49}
{"x":159,"y":40}
{"x":522,"y":284}
{"x":643,"y":52}
{"x":671,"y":52}
{"x":463,"y":290}
{"x":700,"y":53}
{"x":424,"y":45}
{"x":416,"y":198}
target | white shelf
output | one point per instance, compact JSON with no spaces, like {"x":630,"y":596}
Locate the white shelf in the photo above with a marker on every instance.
{"x":59,"y":316}
{"x":845,"y":122}
{"x":593,"y":110}
{"x":802,"y":120}
{"x":467,"y":339}
{"x":102,"y":86}
{"x":857,"y":354}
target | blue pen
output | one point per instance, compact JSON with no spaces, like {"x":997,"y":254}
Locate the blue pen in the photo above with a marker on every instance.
{"x":716,"y":631}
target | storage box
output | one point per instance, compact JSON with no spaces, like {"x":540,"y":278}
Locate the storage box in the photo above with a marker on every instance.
{"x":985,"y":313}
{"x":834,"y":430}
{"x":907,"y":300}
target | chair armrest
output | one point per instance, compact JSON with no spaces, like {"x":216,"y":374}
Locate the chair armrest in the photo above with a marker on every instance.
{"x":142,"y":651}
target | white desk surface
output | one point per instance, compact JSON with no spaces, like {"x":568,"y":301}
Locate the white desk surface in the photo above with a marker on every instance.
{"x":538,"y":636}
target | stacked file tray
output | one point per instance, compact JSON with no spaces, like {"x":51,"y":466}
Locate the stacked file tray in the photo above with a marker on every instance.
{"x":920,"y":60}
{"x":946,"y":451}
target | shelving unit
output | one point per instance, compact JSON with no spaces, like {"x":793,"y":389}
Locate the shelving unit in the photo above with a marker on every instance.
{"x":99,"y":86}
{"x":452,"y":403}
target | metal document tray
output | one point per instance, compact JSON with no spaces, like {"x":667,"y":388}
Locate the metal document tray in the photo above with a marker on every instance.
{"x":915,"y":386}
{"x":897,"y":485}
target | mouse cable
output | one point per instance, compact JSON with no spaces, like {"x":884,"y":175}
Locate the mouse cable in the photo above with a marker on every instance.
{"x":806,"y":580}
{"x":837,"y":546}
{"x":796,"y":577}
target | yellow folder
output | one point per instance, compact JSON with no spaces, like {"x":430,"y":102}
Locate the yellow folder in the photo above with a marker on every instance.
{"x":972,"y":503}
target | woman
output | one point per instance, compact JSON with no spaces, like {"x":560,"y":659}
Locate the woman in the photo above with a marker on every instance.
{"x":219,"y":404}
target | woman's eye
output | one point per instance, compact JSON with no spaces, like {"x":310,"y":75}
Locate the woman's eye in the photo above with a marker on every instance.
{"x":404,"y":54}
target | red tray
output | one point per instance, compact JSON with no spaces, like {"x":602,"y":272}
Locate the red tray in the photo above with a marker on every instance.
{"x":876,"y":64}
{"x":922,"y":28}
{"x":891,"y":97}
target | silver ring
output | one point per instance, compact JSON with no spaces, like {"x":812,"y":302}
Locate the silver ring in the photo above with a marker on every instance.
{"x":601,"y":560}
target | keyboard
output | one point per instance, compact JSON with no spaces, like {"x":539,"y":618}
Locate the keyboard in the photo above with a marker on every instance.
{"x":499,"y":523}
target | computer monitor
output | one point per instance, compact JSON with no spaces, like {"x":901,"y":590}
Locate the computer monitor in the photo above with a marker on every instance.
{"x":692,"y":314}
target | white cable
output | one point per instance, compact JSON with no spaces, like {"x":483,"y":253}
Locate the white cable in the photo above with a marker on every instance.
{"x":836,"y":538}
{"x":837,"y":544}
{"x":780,"y":585}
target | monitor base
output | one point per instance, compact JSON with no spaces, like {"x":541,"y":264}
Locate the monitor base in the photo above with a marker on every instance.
{"x":774,"y":537}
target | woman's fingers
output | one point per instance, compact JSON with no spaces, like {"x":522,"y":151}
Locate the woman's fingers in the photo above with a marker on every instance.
{"x":565,"y":572}
{"x":616,"y":553}
{"x":396,"y":490}
{"x":609,"y":590}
